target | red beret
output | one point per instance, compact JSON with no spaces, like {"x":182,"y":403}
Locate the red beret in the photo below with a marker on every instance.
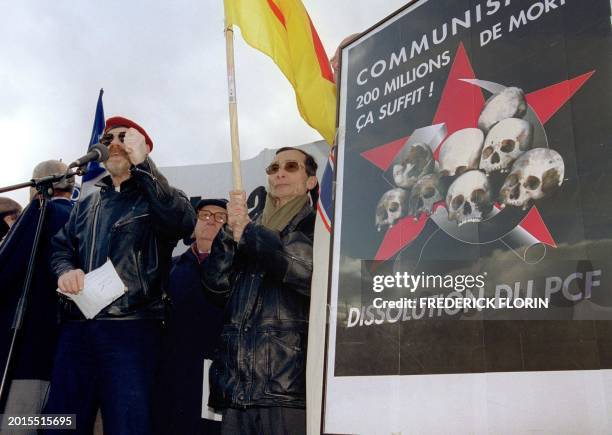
{"x":119,"y":121}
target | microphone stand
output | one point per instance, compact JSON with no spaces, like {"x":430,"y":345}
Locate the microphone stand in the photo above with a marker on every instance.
{"x":44,"y":186}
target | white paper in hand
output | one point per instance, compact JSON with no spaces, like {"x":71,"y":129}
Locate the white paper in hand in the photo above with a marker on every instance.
{"x":102,"y":287}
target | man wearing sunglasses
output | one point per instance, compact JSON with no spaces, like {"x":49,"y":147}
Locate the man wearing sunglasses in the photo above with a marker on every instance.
{"x":134,"y":220}
{"x":263,"y":267}
{"x":192,"y":330}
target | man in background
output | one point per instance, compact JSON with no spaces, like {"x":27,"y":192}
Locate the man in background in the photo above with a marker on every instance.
{"x":192,"y":329}
{"x":9,"y":211}
{"x":33,"y":355}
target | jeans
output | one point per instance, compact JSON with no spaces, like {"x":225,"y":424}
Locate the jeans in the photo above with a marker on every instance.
{"x":106,"y":364}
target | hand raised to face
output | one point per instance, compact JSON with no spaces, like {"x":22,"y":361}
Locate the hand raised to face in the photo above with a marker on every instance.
{"x":135,"y":146}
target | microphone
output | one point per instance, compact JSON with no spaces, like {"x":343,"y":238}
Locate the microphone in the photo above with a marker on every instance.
{"x":98,"y":153}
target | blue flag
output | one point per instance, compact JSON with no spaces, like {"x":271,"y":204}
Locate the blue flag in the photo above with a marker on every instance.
{"x":94,"y":169}
{"x":325,"y":206}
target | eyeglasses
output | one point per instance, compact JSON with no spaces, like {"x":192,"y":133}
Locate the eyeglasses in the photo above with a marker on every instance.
{"x":107,"y":138}
{"x":219,"y":216}
{"x":288,"y":165}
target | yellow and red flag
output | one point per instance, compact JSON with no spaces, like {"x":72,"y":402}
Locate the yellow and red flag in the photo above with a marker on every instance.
{"x":283,"y":30}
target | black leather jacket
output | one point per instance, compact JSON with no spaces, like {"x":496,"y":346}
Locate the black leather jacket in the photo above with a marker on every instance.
{"x":136,"y":229}
{"x":261,"y":360}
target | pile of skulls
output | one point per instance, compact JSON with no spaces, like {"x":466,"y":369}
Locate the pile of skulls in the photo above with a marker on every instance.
{"x":502,"y":144}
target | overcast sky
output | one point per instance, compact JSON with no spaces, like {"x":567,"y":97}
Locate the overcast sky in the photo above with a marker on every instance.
{"x":161,"y":64}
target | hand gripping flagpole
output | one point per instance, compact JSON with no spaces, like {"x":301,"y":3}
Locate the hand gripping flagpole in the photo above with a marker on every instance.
{"x":233,"y":110}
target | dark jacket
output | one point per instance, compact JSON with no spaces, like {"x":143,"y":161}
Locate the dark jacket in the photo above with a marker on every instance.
{"x":136,"y":229}
{"x":192,"y":329}
{"x":36,"y":346}
{"x":261,"y":360}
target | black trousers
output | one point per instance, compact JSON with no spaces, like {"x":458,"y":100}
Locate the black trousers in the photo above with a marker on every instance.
{"x":264,"y":421}
{"x":108,"y":364}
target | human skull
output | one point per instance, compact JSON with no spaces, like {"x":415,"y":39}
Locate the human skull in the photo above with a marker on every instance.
{"x":393,"y":205}
{"x":461,"y":151}
{"x":425,"y":193}
{"x":534,"y":175}
{"x":506,"y":141}
{"x":469,"y":198}
{"x":509,"y":103}
{"x":418,"y":162}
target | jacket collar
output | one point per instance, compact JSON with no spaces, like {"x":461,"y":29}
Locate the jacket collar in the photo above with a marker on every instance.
{"x":198,"y":255}
{"x":299,"y":217}
{"x":106,"y":183}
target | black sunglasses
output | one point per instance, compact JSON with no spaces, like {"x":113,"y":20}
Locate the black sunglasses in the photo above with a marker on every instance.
{"x":107,"y":138}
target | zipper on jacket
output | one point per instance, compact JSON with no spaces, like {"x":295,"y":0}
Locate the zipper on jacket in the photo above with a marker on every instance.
{"x":121,"y":223}
{"x":93,"y":237}
{"x":150,"y":175}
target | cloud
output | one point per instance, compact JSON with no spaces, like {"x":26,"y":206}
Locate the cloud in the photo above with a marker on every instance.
{"x":162,"y":64}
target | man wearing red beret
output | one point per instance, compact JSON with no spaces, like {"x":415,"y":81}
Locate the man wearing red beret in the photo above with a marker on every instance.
{"x":134,"y":220}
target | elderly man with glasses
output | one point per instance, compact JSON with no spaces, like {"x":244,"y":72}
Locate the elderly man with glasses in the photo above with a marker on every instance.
{"x":263,"y":267}
{"x":133,"y":221}
{"x":193,"y":326}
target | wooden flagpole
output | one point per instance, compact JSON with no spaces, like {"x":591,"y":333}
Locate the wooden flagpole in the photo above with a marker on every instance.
{"x":233,"y":110}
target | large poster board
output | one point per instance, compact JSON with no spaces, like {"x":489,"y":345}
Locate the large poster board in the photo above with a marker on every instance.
{"x":471,"y":275}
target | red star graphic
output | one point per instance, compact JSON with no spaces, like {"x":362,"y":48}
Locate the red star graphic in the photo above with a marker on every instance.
{"x":460,"y":107}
